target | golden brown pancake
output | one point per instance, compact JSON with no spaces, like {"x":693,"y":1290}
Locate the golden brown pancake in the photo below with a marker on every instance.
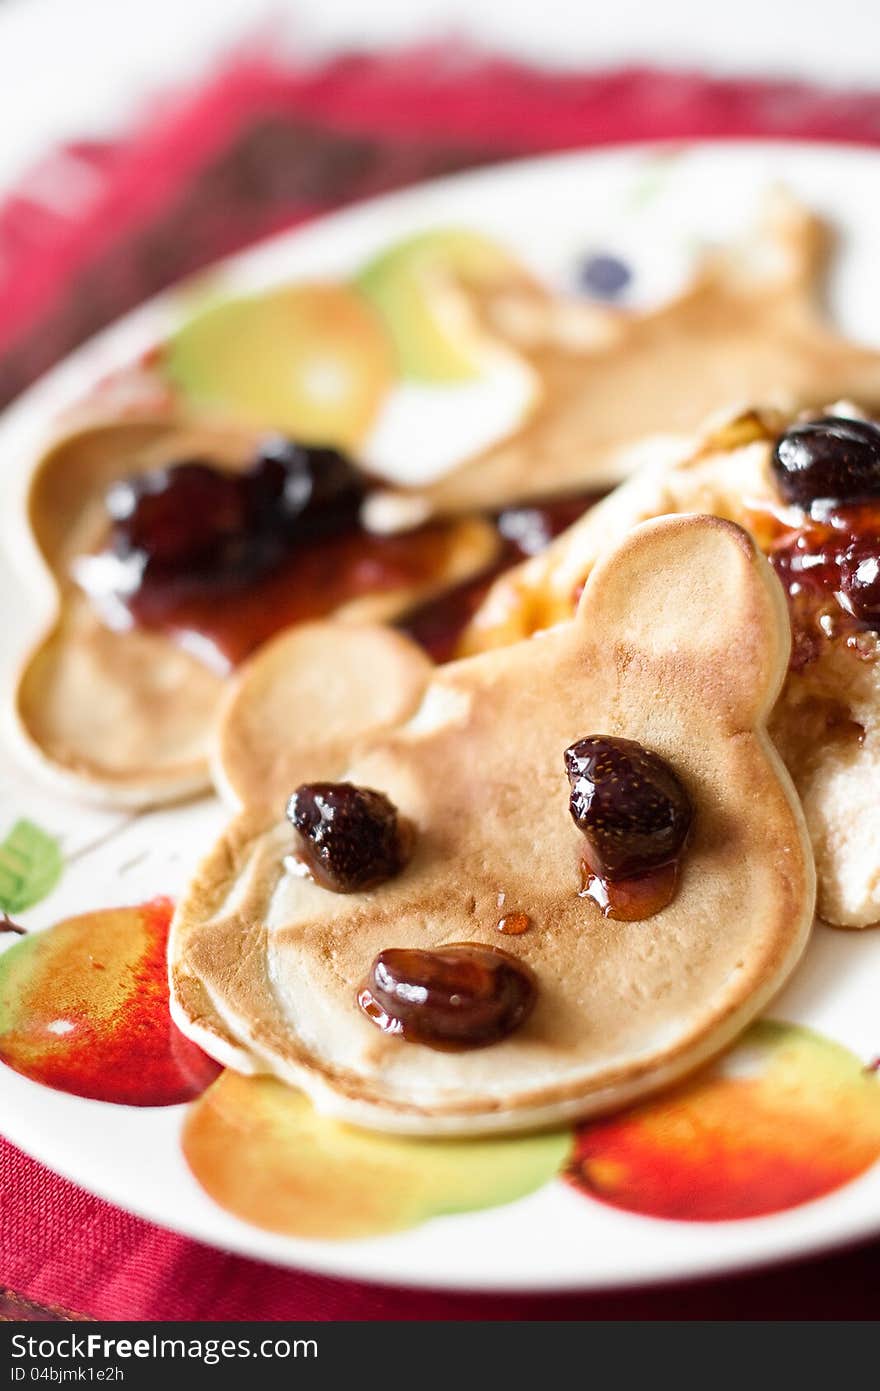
{"x":295,"y":710}
{"x":748,"y":328}
{"x":826,"y":723}
{"x":265,"y":964}
{"x":126,"y":716}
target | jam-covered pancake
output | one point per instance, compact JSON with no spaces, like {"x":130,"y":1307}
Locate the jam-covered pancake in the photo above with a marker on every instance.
{"x":411,"y":943}
{"x":177,"y":549}
{"x":809,"y":491}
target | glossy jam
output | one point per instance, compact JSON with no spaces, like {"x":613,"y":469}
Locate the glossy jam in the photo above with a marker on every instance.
{"x":221,"y":561}
{"x":829,"y":569}
{"x":630,"y":900}
{"x":84,"y":1008}
{"x":457,"y":997}
{"x":310,"y":583}
{"x":319,"y":577}
{"x":635,"y":816}
{"x":349,"y":837}
{"x":438,"y":624}
{"x":832,"y":457}
{"x":194,"y":528}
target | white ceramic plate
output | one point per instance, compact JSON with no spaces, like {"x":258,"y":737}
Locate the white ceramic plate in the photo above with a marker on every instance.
{"x":653,"y":207}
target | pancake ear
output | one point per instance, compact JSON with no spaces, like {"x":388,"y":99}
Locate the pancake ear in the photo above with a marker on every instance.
{"x":298,"y":707}
{"x":784,"y":255}
{"x":688,"y":603}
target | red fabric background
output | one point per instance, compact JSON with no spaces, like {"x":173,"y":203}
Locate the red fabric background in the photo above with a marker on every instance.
{"x":253,"y":150}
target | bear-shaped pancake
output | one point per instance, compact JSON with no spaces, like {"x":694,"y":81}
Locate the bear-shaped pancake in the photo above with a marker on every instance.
{"x":749,"y":327}
{"x":680,"y":642}
{"x":826,"y":724}
{"x":124,"y":714}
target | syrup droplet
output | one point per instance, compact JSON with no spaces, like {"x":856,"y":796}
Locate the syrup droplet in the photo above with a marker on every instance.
{"x":514,"y":924}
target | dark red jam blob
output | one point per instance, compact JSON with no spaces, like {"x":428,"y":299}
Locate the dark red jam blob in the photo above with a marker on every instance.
{"x":457,"y":997}
{"x":194,"y":530}
{"x":350,"y":837}
{"x":222,"y":561}
{"x":629,"y":803}
{"x":829,"y":570}
{"x":832,"y":458}
{"x":635,"y":815}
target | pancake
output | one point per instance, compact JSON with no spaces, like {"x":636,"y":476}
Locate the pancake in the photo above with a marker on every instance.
{"x":826,"y":724}
{"x":296,"y":708}
{"x":749,"y":327}
{"x":123,"y":715}
{"x":265,"y":964}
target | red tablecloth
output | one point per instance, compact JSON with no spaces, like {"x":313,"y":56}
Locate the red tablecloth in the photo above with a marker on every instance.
{"x":65,"y":1254}
{"x":96,"y":229}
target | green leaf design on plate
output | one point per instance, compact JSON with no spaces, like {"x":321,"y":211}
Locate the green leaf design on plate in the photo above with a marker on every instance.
{"x":653,"y":177}
{"x":30,"y":866}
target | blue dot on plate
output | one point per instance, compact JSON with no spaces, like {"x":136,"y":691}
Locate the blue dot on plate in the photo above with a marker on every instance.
{"x":604,"y":276}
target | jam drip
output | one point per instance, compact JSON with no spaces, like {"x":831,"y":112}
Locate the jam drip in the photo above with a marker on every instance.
{"x":636,"y":816}
{"x":514,"y":924}
{"x":629,"y":900}
{"x":829,"y":567}
{"x":828,"y":559}
{"x":454,"y":998}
